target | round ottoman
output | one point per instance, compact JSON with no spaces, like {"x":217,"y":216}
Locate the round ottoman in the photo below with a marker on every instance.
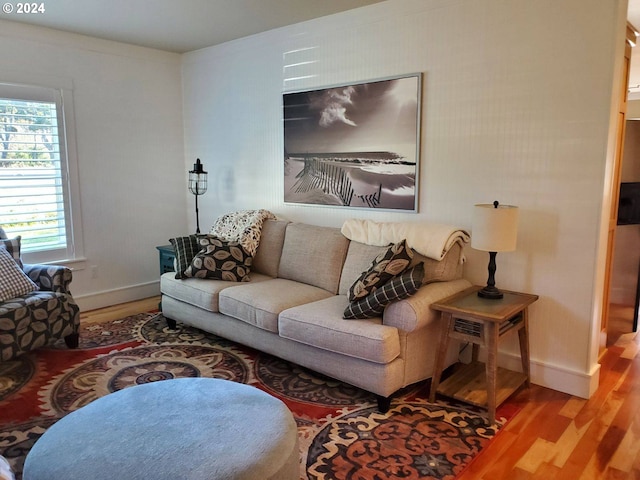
{"x":188,"y":428}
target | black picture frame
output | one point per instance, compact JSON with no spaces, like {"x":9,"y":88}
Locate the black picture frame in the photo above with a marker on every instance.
{"x":354,"y":145}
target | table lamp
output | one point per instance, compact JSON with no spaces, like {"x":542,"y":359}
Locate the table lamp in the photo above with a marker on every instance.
{"x":494,"y":229}
{"x":197,"y":186}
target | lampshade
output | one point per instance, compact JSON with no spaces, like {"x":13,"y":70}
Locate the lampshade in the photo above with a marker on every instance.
{"x":494,"y":227}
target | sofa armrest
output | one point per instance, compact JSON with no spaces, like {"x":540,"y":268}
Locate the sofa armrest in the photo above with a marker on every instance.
{"x":415,"y":312}
{"x":50,"y":278}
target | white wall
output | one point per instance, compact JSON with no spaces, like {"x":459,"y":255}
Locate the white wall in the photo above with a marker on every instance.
{"x":516,"y":107}
{"x":128,"y":116}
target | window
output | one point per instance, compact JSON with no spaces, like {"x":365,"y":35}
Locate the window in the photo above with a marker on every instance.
{"x":36,"y":174}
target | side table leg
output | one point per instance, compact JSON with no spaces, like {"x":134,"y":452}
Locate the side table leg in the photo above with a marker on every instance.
{"x":441,"y":354}
{"x":491,"y":368}
{"x":523,"y":336}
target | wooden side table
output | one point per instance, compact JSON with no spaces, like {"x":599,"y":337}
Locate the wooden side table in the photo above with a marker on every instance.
{"x":482,"y":322}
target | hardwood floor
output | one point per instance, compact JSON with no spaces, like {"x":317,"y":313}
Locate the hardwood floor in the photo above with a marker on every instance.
{"x":558,"y":436}
{"x":555,"y":435}
{"x":119,"y":311}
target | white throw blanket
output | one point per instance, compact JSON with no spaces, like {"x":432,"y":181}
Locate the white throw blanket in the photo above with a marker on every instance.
{"x":244,"y":227}
{"x":433,"y":240}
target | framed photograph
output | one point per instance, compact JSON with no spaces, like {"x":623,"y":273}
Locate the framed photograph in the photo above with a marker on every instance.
{"x":354,"y":145}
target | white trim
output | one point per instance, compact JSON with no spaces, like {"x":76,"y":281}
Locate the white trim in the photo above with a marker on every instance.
{"x":73,"y":178}
{"x":115,"y":296}
{"x":555,"y":377}
{"x":31,"y":86}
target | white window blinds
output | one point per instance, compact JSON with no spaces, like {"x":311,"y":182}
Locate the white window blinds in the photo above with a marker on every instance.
{"x":34,"y":195}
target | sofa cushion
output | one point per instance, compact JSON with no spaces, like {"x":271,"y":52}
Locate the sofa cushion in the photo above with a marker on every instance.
{"x":393,"y":261}
{"x":397,"y":288}
{"x":260,"y":303}
{"x":313,"y":255}
{"x":267,"y":257}
{"x":199,"y":292}
{"x":13,"y":281}
{"x":320,"y":324}
{"x":449,"y":268}
{"x":359,"y":258}
{"x":34,"y":319}
{"x":184,"y":248}
{"x":220,"y":260}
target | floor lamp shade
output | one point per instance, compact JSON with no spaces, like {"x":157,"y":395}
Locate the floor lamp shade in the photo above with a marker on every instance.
{"x":494,"y":229}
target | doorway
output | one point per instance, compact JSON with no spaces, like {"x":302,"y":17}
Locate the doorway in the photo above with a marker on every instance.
{"x":626,"y":257}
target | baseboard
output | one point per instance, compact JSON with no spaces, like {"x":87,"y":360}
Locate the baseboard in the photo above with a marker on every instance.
{"x":555,"y":377}
{"x":116,"y":296}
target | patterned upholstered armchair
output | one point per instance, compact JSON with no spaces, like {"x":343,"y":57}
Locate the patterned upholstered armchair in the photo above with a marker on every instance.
{"x":40,"y":317}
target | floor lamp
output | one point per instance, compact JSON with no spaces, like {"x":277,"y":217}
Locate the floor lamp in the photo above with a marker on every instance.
{"x":494,"y":229}
{"x":197,"y":186}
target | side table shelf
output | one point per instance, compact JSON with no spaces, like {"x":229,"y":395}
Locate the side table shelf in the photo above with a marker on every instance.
{"x":482,"y":322}
{"x":469,"y":384}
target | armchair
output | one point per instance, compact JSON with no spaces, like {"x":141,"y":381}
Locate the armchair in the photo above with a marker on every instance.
{"x":40,"y":317}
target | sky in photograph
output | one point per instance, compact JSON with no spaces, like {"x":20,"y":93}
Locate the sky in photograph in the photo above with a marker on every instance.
{"x":375,"y":116}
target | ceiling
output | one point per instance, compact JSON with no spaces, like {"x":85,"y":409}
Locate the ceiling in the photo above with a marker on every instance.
{"x":185,"y":25}
{"x":178,"y":25}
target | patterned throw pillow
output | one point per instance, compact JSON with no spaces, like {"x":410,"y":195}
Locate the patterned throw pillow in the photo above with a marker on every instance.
{"x":185,"y":248}
{"x":397,"y":288}
{"x":220,"y":260}
{"x":13,"y":247}
{"x":13,"y":281}
{"x":387,"y":265}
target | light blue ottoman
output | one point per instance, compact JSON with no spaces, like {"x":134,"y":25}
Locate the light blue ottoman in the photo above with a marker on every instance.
{"x":189,"y":428}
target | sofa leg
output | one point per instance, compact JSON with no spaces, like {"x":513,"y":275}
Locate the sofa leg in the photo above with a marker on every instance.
{"x":172,"y":324}
{"x":383,"y":403}
{"x":72,"y":340}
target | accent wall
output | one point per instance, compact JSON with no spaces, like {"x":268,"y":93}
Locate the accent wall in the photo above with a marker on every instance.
{"x":516,"y":106}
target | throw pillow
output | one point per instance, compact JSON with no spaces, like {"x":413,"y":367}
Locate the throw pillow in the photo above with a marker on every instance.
{"x":397,"y":288}
{"x":387,"y":265}
{"x":13,"y":247}
{"x":13,"y":281}
{"x":185,"y":248}
{"x":220,"y":260}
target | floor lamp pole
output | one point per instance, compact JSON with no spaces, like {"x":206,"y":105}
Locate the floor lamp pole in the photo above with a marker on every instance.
{"x":197,"y":216}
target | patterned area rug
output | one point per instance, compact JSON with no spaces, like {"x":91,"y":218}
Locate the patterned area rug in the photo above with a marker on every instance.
{"x":342,"y":434}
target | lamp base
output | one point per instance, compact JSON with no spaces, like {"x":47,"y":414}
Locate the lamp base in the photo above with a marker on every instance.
{"x":490,"y":292}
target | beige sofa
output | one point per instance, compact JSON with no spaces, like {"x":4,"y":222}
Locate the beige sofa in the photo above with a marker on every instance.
{"x":293,"y":308}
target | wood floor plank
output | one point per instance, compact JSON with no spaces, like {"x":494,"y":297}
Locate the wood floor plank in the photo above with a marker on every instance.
{"x":546,"y":471}
{"x":572,"y":407}
{"x":540,"y":452}
{"x":628,"y":450}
